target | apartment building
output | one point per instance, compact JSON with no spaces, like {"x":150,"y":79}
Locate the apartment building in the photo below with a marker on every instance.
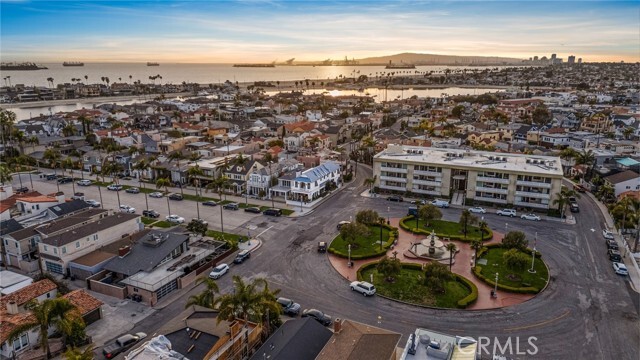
{"x":467,"y":176}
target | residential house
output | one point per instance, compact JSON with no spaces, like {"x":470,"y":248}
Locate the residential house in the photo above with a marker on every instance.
{"x":12,"y":281}
{"x":427,"y":344}
{"x":238,"y":174}
{"x":297,"y":339}
{"x":623,"y":181}
{"x":357,"y":341}
{"x":310,"y":185}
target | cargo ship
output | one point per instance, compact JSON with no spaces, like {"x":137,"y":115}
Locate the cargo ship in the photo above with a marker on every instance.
{"x":153,"y":64}
{"x":21,"y":66}
{"x":72,"y":63}
{"x":255,"y":65}
{"x":399,"y":66}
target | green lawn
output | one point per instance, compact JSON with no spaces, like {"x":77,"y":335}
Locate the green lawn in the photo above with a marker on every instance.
{"x":148,"y":221}
{"x":217,"y":235}
{"x":449,"y":228}
{"x":364,"y":245}
{"x":495,"y":264}
{"x":163,"y":224}
{"x":409,"y":287}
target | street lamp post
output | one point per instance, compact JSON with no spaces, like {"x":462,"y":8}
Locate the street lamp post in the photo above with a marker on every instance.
{"x":271,"y":179}
{"x":495,"y":290}
{"x":506,"y":228}
{"x":349,"y":250}
{"x":388,"y":214}
{"x":380,"y":221}
{"x":533,"y":254}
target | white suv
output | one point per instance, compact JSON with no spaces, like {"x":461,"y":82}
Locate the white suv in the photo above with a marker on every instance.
{"x":363,"y":287}
{"x":507,"y":212}
{"x":440,"y":203}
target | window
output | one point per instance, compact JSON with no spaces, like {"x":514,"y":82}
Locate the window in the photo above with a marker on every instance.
{"x":64,"y":249}
{"x":46,"y":248}
{"x":21,"y":342}
{"x":77,"y":244}
{"x":55,"y":250}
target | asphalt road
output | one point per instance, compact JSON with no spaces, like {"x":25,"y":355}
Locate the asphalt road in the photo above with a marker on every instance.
{"x":587,"y":311}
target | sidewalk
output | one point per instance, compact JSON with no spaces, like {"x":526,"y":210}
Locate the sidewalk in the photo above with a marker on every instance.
{"x":462,"y":266}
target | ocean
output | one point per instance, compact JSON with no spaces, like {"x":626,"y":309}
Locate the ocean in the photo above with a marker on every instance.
{"x":200,"y":73}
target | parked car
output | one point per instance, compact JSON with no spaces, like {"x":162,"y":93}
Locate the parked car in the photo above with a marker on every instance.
{"x":22,"y":190}
{"x":218,"y":271}
{"x":78,"y":196}
{"x":506,"y":212}
{"x":318,"y":315}
{"x":65,"y":180}
{"x":343,"y":223}
{"x":273,"y":212}
{"x":50,"y":176}
{"x":620,"y":268}
{"x":614,"y":255}
{"x":607,"y":234}
{"x":127,"y":209}
{"x":322,"y":246}
{"x":156,"y":194}
{"x":231,"y":206}
{"x":440,"y":203}
{"x":574,"y":207}
{"x":122,"y":344}
{"x":612,"y":244}
{"x":177,"y":197}
{"x":289,"y":307}
{"x":533,"y":217}
{"x":114,"y":187}
{"x":85,"y":182}
{"x":253,"y":210}
{"x":579,"y":188}
{"x":150,"y":213}
{"x":396,"y":198}
{"x":242,"y":256}
{"x":93,"y":203}
{"x":477,"y":210}
{"x":133,"y":190}
{"x":418,"y":202}
{"x":210,"y":203}
{"x":175,"y":219}
{"x":363,"y":287}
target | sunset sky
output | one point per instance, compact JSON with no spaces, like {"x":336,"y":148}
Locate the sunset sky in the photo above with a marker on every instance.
{"x":254,"y":30}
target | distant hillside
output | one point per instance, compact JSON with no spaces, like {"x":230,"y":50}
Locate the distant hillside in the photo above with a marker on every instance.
{"x":430,"y":59}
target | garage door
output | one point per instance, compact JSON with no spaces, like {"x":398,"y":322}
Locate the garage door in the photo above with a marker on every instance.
{"x":54,"y":267}
{"x":166,"y":289}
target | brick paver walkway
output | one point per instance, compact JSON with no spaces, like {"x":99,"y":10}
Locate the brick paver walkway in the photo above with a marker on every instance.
{"x":461,"y":266}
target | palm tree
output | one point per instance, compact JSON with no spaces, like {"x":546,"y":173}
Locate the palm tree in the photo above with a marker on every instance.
{"x":476,"y":245}
{"x":563,"y":199}
{"x":207,"y":297}
{"x":371,"y":181}
{"x":484,"y":228}
{"x":5,"y":174}
{"x":50,"y":312}
{"x":33,"y":141}
{"x":193,"y":174}
{"x":452,"y":248}
{"x":74,"y":353}
{"x":164,"y":182}
{"x":586,"y":157}
{"x":70,"y":164}
{"x":69,"y":130}
{"x":142,"y":166}
{"x":177,"y":156}
{"x":112,"y":168}
{"x":52,"y":156}
{"x":466,"y":219}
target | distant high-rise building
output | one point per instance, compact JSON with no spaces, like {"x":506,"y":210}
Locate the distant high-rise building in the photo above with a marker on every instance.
{"x":553,"y":57}
{"x":535,"y":58}
{"x":571,"y":59}
{"x":579,"y":60}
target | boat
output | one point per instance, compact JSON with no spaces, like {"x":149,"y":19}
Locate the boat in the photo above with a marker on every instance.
{"x":72,"y":63}
{"x":21,"y":66}
{"x":255,"y":65}
{"x":399,"y":66}
{"x":153,"y":64}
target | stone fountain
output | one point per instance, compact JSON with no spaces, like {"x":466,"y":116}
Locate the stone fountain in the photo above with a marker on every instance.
{"x":431,"y":248}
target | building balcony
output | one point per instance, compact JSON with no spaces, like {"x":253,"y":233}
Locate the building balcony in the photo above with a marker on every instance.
{"x":427,"y":173}
{"x":391,"y":169}
{"x":427,"y":182}
{"x":492,"y":180}
{"x":389,"y":187}
{"x":533,"y":195}
{"x":491,"y":200}
{"x":534,"y":184}
{"x":531,"y":205}
{"x":391,"y":178}
{"x":427,"y":192}
{"x":492,"y":190}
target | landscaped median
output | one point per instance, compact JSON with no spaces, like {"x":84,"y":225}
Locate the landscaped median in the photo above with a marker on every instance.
{"x":510,"y":279}
{"x":444,"y":229}
{"x":409,"y":286}
{"x":367,"y":246}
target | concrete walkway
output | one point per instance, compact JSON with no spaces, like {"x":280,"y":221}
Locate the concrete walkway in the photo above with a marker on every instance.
{"x":462,"y":266}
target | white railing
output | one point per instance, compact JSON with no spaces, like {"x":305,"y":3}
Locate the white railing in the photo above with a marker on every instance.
{"x":427,"y":173}
{"x":392,"y":169}
{"x":492,"y":190}
{"x":534,"y":184}
{"x":493,"y":200}
{"x":493,"y":180}
{"x":533,"y":195}
{"x":393,"y":178}
{"x":531,"y":205}
{"x":427,"y":182}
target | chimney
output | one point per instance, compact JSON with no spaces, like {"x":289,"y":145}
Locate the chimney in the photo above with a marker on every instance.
{"x":12,"y":307}
{"x":124,"y":251}
{"x":337,"y":326}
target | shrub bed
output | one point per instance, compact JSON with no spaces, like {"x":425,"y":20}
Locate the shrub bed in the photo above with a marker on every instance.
{"x":517,"y":281}
{"x":444,"y":229}
{"x":368,"y":246}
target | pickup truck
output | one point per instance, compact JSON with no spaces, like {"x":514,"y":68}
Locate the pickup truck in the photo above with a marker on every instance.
{"x":122,"y":344}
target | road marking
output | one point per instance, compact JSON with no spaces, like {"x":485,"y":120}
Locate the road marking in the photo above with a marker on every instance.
{"x":565,"y":314}
{"x":593,"y":230}
{"x":267,"y":229}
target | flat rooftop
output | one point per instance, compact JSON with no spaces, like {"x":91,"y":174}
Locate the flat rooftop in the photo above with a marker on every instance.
{"x":475,"y":160}
{"x":451,"y":347}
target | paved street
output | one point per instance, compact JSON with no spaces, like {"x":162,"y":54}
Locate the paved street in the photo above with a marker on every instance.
{"x":587,"y":311}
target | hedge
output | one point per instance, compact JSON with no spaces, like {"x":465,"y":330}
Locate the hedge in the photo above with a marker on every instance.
{"x":393,"y":234}
{"x":459,"y":237}
{"x":486,"y":248}
{"x":471,"y":298}
{"x":477,"y":271}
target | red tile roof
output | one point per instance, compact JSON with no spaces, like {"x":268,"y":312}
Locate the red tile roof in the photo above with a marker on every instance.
{"x":27,"y":293}
{"x":83,"y":301}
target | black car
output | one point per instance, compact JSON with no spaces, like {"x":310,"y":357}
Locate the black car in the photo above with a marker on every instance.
{"x":254,"y":210}
{"x":231,"y":206}
{"x":210,"y":203}
{"x":396,"y":198}
{"x":320,"y":317}
{"x":273,"y":212}
{"x":612,"y":244}
{"x":133,"y":190}
{"x":289,"y":307}
{"x":22,"y":190}
{"x":614,"y":255}
{"x":242,"y":256}
{"x":150,"y":213}
{"x":176,"y":197}
{"x":65,"y":180}
{"x":50,"y":176}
